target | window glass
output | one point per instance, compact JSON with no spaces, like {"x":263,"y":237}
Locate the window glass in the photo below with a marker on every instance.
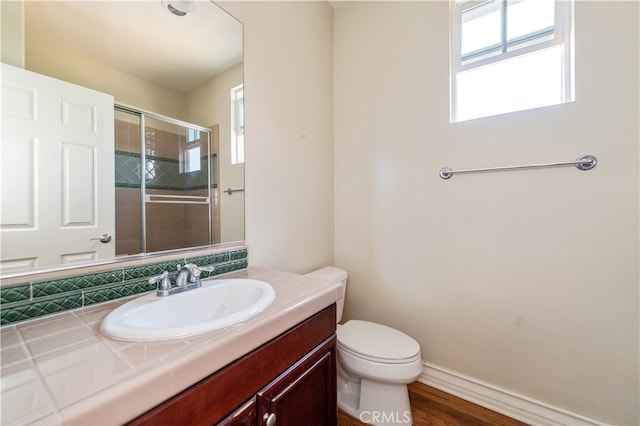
{"x":237,"y":125}
{"x":524,"y":82}
{"x":192,"y":160}
{"x":481,"y":29}
{"x":529,"y":17}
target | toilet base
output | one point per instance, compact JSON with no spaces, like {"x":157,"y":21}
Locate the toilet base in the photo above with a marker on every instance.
{"x":375,"y":403}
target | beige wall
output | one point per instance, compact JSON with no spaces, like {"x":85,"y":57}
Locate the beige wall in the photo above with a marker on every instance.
{"x":289,"y":132}
{"x":526,"y":280}
{"x":12,"y":33}
{"x":208,"y":105}
{"x":127,"y":89}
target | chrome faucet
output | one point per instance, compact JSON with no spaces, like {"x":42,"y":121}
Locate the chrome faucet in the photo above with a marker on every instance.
{"x":188,"y":278}
{"x":190,"y":271}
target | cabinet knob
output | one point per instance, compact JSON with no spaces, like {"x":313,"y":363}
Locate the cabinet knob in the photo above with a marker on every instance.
{"x":270,"y":419}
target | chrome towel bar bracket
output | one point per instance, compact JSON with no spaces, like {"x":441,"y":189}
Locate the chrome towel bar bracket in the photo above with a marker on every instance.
{"x":231,"y":191}
{"x":586,"y":162}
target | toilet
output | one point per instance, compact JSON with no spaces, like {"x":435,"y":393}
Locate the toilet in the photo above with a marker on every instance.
{"x":375,"y":364}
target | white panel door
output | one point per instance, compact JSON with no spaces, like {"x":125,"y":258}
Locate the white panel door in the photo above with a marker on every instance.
{"x":57,"y":158}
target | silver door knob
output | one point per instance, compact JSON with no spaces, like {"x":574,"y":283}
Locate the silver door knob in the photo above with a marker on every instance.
{"x":270,"y":419}
{"x":104,"y":238}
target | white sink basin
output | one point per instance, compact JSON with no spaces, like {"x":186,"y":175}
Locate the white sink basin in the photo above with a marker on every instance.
{"x":218,"y":303}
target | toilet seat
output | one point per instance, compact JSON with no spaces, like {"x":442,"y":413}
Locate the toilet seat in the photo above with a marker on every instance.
{"x":377,"y":343}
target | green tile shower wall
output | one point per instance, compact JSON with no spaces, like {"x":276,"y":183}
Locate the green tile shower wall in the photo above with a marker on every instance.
{"x":161,"y":173}
{"x":22,"y":302}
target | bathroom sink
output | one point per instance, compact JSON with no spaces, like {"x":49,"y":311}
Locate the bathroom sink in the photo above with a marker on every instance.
{"x":217,"y":304}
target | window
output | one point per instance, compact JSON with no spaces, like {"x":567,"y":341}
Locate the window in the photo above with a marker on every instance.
{"x":193,"y":135}
{"x":237,"y":125}
{"x":190,"y":156}
{"x":192,"y":159}
{"x":510,"y":55}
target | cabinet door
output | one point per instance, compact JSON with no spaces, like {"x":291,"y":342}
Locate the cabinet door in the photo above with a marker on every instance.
{"x":243,"y":416}
{"x":305,"y":394}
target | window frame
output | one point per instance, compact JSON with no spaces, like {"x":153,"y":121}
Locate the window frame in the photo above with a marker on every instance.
{"x":562,"y":34}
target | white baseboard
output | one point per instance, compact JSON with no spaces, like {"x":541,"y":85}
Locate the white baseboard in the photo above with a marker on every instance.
{"x":510,"y":404}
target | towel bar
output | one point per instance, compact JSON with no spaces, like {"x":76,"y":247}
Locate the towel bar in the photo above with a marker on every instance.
{"x":586,"y":162}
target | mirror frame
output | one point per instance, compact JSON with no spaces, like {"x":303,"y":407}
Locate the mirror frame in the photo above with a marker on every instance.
{"x":62,"y":268}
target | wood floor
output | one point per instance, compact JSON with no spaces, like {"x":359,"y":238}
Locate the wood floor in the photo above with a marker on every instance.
{"x":432,"y":407}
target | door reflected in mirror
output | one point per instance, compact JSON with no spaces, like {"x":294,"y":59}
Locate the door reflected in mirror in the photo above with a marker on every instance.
{"x":188,"y":69}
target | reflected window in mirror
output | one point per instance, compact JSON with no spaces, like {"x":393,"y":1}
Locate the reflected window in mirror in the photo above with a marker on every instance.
{"x":192,"y":159}
{"x":191,"y":154}
{"x":237,"y":125}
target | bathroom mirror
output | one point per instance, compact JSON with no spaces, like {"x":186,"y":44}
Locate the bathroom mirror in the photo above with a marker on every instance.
{"x":175,"y":59}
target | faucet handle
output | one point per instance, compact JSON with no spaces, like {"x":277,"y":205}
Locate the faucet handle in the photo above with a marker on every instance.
{"x":193,"y":268}
{"x":162,"y":280}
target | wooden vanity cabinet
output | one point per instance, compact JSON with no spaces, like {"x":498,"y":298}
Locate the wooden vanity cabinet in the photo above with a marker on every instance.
{"x":304,"y":394}
{"x":246,"y":415}
{"x":290,"y":380}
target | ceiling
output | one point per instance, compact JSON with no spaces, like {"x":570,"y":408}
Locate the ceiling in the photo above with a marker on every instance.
{"x":141,"y":37}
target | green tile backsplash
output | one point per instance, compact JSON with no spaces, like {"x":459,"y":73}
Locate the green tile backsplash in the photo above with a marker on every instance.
{"x":47,"y":288}
{"x":25,"y":301}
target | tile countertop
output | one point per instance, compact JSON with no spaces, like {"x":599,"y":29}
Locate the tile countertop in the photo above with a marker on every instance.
{"x":62,"y":370}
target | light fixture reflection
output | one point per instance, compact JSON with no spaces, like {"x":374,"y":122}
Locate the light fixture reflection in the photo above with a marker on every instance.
{"x":179,"y":7}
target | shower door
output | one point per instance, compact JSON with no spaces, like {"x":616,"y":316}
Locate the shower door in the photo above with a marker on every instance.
{"x":174,"y":171}
{"x":176,"y":186}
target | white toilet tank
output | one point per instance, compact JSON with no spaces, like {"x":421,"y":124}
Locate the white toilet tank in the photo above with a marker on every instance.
{"x":331,"y":273}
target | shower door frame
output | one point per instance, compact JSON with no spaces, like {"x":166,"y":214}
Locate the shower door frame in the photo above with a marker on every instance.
{"x":142,"y":114}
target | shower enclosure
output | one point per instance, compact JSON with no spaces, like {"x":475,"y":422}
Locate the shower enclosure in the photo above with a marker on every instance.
{"x":165,"y":183}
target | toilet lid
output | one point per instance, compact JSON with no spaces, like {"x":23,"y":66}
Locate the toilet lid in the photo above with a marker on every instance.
{"x":377,"y":341}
